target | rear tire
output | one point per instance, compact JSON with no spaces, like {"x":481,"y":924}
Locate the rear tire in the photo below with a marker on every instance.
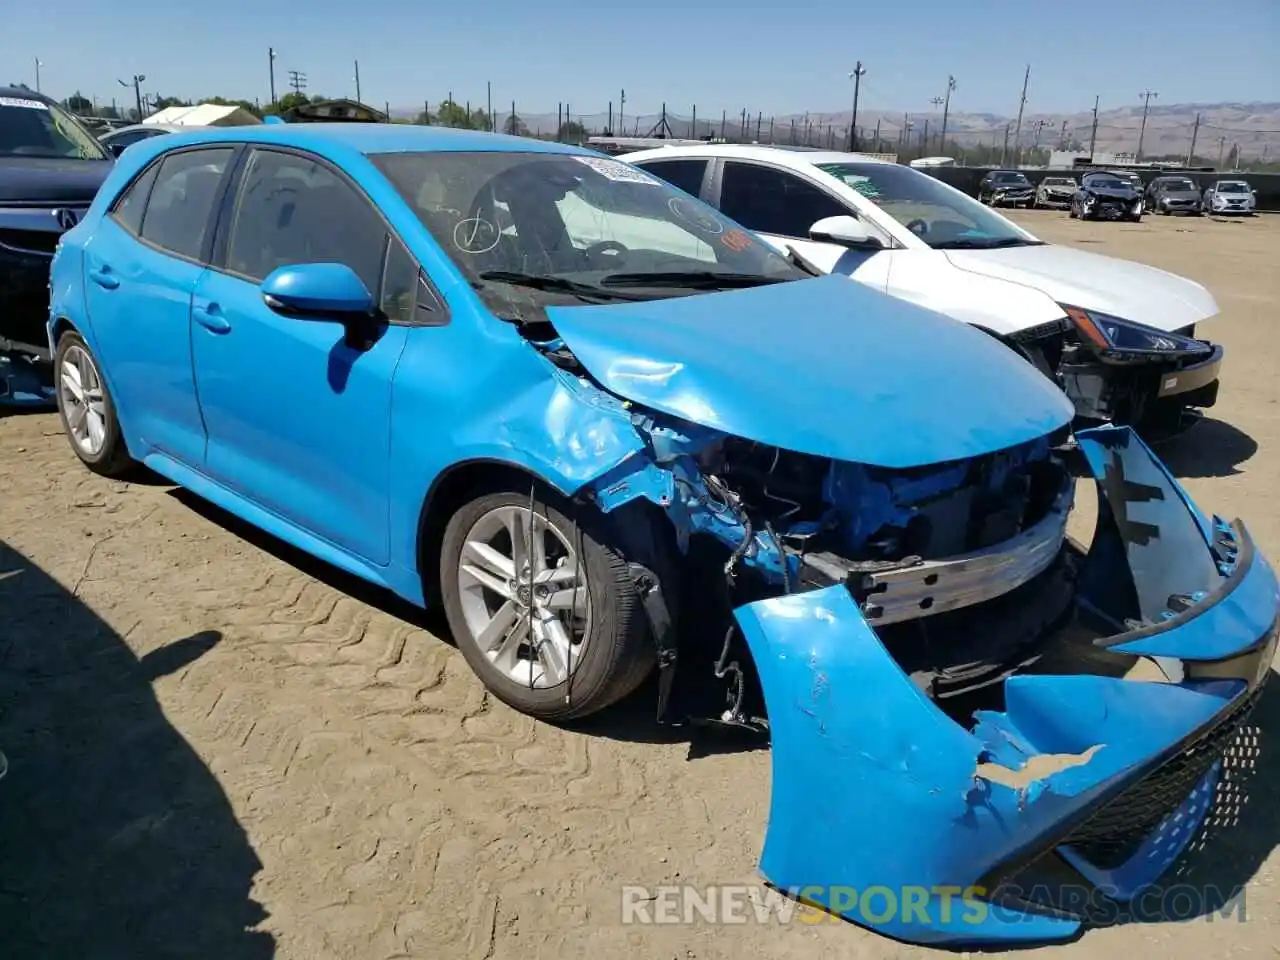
{"x":86,"y":409}
{"x":552,"y":659}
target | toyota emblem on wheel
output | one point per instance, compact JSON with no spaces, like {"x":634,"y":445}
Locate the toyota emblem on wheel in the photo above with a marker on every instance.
{"x":66,"y":217}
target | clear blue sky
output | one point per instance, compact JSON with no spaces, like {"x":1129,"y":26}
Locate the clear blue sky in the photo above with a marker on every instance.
{"x":777,"y":58}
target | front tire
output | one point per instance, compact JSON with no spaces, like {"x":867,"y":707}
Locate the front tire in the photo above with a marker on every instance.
{"x":86,"y":409}
{"x":545,"y":612}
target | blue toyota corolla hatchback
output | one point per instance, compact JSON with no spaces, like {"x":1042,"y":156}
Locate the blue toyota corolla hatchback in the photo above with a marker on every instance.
{"x":575,"y":405}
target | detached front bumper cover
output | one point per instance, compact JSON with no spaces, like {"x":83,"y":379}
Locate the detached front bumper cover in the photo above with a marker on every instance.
{"x":887,"y":812}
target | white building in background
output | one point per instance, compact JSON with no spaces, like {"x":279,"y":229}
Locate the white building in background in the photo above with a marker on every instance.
{"x":1066,"y":159}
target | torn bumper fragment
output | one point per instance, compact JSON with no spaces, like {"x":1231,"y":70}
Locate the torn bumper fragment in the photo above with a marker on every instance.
{"x":887,"y":811}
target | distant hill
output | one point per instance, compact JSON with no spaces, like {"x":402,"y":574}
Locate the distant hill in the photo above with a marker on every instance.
{"x":1254,"y":126}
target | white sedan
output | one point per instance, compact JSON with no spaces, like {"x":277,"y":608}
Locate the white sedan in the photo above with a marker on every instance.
{"x":1118,"y":335}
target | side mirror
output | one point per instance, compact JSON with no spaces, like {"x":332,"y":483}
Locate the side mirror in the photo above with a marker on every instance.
{"x":115,"y":149}
{"x":317,"y":288}
{"x":845,"y":230}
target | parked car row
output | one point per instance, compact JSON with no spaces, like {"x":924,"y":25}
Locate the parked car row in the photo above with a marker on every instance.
{"x":578,"y":401}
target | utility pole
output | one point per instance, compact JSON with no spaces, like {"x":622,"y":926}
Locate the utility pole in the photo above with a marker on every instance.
{"x":743,"y":127}
{"x":760,"y":120}
{"x":1035,"y":144}
{"x":937,"y":102}
{"x":515,"y":127}
{"x":38,"y":66}
{"x":1017,"y":134}
{"x":877,"y":150}
{"x":271,"y":70}
{"x":358,"y":100}
{"x":946,"y":108}
{"x":858,"y":71}
{"x":1062,"y":136}
{"x":1195,"y":132}
{"x":622,"y":106}
{"x":724,"y":116}
{"x":297,"y":80}
{"x":1093,"y":134}
{"x":137,"y":91}
{"x":1222,"y":142}
{"x":693,"y":123}
{"x":924,"y":137}
{"x":488,"y":86}
{"x":1146,"y":96}
{"x":1004,"y":151}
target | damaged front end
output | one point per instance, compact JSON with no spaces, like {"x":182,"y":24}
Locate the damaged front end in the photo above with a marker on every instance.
{"x":955,"y":691}
{"x":1078,"y":758}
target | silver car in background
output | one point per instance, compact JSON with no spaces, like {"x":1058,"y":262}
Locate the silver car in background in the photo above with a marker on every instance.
{"x":1055,"y":192}
{"x":1230,"y":196}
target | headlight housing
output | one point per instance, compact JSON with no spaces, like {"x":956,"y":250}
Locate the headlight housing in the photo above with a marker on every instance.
{"x":1114,"y":335}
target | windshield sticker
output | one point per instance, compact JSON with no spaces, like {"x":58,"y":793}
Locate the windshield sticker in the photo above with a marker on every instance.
{"x":617,"y":171}
{"x":694,"y":213}
{"x":23,"y":102}
{"x":736,"y":240}
{"x":475,"y":235}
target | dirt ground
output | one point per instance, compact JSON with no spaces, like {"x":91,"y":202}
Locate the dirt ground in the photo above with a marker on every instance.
{"x":221,"y":748}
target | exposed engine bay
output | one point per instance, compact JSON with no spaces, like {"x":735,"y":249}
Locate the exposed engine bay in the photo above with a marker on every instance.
{"x":959,"y":565}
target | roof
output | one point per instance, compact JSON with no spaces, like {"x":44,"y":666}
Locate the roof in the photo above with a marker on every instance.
{"x":171,"y":127}
{"x":784,"y":156}
{"x":372,"y":138}
{"x":203,"y":115}
{"x":24,"y":93}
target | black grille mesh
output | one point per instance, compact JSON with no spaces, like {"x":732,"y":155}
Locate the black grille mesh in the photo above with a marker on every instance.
{"x":1113,"y":835}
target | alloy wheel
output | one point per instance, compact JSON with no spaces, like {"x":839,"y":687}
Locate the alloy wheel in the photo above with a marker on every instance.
{"x":83,"y":404}
{"x":524,"y":596}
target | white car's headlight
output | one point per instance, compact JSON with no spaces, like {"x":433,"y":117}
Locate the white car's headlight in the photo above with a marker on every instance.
{"x":1113,"y":334}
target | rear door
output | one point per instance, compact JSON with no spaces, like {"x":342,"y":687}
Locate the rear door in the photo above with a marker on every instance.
{"x":141,"y":265}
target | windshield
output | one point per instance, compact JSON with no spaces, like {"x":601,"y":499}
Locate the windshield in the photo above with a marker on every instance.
{"x":1016,"y":178}
{"x":1107,"y":183}
{"x":1058,"y":182}
{"x":536,"y":229}
{"x":1233,"y":187}
{"x":1177,"y":185}
{"x":33,"y":128}
{"x":940,"y":216}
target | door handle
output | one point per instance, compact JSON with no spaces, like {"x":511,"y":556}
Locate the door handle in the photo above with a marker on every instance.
{"x":103,"y":277}
{"x":210,"y":317}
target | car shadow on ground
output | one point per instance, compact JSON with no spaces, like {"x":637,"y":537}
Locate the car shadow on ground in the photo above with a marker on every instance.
{"x":1211,"y":448}
{"x":117,"y":839}
{"x":633,"y":719}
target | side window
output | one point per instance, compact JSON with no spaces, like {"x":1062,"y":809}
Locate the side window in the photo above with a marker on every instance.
{"x":127,"y":139}
{"x":684,"y":175}
{"x":405,"y":296}
{"x":293,"y":209}
{"x":773,"y":201}
{"x":182,"y":200}
{"x":131,"y":204}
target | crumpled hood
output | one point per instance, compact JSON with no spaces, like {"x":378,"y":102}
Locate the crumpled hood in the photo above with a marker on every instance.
{"x":50,"y":179}
{"x":1122,"y":288}
{"x":819,"y":366}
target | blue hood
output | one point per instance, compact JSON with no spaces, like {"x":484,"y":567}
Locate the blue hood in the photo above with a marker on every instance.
{"x":820,"y":366}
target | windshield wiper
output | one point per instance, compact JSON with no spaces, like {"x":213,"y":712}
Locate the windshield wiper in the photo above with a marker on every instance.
{"x":986,"y":243}
{"x":797,"y":259}
{"x":553,"y":284}
{"x":689,"y":279}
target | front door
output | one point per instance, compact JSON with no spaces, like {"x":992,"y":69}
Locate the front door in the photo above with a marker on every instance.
{"x":781,"y":207}
{"x":142,"y":266}
{"x":298,"y":421}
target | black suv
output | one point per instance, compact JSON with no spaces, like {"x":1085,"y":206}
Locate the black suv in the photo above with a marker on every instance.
{"x":50,"y":169}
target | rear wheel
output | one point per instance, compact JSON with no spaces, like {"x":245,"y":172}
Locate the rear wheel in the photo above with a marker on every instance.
{"x":542,"y":604}
{"x":86,"y":409}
